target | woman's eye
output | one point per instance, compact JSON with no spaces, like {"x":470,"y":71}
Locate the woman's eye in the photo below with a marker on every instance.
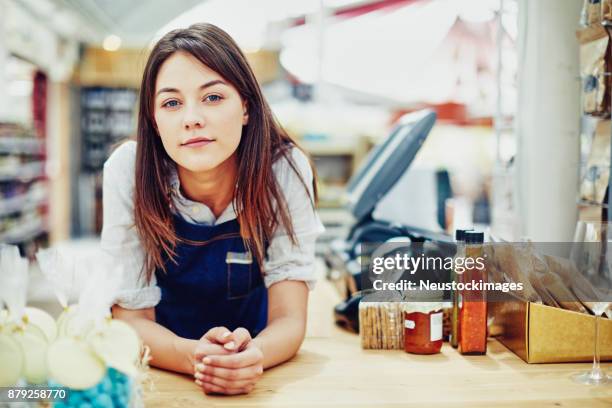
{"x":212,"y":98}
{"x":170,"y":104}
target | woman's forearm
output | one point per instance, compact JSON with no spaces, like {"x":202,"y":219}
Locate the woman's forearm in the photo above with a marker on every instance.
{"x":281,"y":340}
{"x":168,"y":350}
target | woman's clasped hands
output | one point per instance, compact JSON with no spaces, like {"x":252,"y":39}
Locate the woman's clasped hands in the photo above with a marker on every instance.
{"x":227,"y":362}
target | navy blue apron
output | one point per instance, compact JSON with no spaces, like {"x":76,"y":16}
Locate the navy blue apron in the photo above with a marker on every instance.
{"x":215,"y":283}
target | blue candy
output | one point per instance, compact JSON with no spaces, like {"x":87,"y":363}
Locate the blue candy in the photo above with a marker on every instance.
{"x":122,"y":401}
{"x":75,"y":399}
{"x":106,"y":385}
{"x":89,"y":393}
{"x":113,"y":390}
{"x":103,"y":401}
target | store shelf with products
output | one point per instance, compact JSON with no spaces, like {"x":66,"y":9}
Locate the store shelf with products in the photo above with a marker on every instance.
{"x":107,"y":117}
{"x":23,"y":188}
{"x":24,"y":229}
{"x":12,"y":169}
{"x":106,"y":104}
{"x":34,"y":197}
{"x":21,"y":145}
{"x":596,"y":102}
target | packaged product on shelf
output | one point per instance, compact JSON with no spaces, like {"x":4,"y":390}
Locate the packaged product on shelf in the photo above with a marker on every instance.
{"x":593,"y":11}
{"x":597,"y":172}
{"x":606,"y":10}
{"x":594,"y":68}
{"x":381,"y":325}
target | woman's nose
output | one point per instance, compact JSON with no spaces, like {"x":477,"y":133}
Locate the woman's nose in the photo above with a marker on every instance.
{"x":193,"y":119}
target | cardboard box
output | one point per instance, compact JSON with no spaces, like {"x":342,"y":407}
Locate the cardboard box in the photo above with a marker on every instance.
{"x":543,"y":334}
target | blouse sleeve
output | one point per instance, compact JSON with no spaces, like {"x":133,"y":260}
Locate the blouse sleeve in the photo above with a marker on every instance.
{"x":286,"y":261}
{"x":119,"y":237}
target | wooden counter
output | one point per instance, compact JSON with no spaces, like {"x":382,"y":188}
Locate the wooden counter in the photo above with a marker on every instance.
{"x":331,"y":369}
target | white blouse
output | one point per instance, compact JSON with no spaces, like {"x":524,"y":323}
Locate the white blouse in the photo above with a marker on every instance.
{"x":284,"y":261}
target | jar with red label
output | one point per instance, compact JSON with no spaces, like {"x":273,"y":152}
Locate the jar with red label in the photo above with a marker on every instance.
{"x":423,"y":323}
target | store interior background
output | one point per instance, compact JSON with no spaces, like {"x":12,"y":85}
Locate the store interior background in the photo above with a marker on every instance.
{"x":338,"y":74}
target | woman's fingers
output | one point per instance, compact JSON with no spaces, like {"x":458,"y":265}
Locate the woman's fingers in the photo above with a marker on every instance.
{"x":206,"y":348}
{"x":215,"y":389}
{"x":233,"y":373}
{"x":220,"y":335}
{"x":253,"y":372}
{"x":241,"y":338}
{"x":222,"y":382}
{"x":248,"y":357}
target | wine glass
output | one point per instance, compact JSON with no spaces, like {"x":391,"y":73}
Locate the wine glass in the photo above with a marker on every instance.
{"x":596,"y":376}
{"x":593,"y":286}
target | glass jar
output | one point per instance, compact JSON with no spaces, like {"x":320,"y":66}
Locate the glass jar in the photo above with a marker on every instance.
{"x":473,"y":305}
{"x":423,"y":323}
{"x":381,"y":325}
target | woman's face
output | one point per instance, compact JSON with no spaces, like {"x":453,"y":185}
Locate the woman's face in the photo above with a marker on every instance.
{"x":199,"y":115}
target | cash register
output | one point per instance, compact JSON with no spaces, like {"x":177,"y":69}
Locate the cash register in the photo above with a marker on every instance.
{"x":390,"y":202}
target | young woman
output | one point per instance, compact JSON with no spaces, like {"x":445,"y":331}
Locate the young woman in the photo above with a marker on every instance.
{"x":211,"y":213}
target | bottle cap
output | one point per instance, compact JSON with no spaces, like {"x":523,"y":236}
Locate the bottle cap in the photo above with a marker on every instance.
{"x":460,"y":234}
{"x":473,"y":237}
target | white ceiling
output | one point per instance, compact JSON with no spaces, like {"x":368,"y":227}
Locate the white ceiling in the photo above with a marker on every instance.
{"x":138,"y":22}
{"x":90,"y":21}
{"x":134,"y":21}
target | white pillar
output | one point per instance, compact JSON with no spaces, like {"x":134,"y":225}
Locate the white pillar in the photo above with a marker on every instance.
{"x":58,"y":159}
{"x":548,"y":119}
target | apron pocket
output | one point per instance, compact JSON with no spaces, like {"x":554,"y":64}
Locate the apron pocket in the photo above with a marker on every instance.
{"x":238,"y":274}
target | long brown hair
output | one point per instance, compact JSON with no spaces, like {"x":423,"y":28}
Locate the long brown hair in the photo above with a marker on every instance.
{"x":259,"y":202}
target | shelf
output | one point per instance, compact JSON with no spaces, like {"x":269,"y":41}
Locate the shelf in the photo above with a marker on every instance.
{"x":587,"y":203}
{"x":24,"y":232}
{"x":25,"y":172}
{"x":23,"y":202}
{"x":21,"y":145}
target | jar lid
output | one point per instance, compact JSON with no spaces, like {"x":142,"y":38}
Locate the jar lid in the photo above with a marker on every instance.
{"x":421,"y":307}
{"x":423,"y":301}
{"x":460,"y":234}
{"x":473,"y":237}
{"x":423,"y":295}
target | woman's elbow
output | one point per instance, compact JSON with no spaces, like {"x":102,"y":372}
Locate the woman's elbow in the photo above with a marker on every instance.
{"x":300,"y":332}
{"x":128,"y":315}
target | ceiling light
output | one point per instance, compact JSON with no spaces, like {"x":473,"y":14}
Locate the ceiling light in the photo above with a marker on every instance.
{"x":112,"y":43}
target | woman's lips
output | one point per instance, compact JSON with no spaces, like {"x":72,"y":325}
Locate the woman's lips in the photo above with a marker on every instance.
{"x":197,"y":142}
